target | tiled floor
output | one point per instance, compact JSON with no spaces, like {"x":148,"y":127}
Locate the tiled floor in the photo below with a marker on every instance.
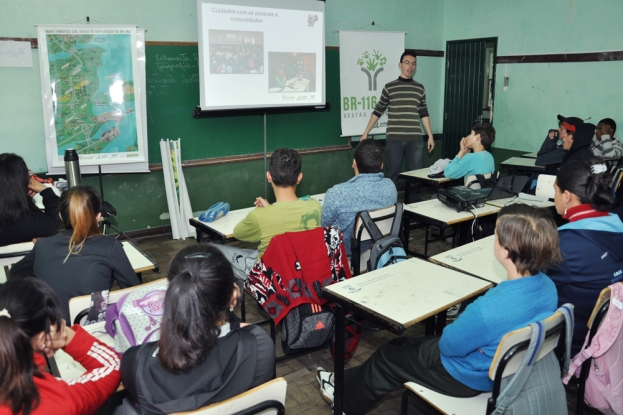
{"x":303,"y":396}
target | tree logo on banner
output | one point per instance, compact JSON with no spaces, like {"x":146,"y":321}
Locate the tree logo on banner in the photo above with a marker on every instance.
{"x":374,"y":63}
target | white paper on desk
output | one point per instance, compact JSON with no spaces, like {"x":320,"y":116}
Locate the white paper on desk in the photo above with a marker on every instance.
{"x":15,"y":54}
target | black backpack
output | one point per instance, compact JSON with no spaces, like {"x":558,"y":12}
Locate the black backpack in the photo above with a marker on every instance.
{"x":307,"y":326}
{"x":386,"y":250}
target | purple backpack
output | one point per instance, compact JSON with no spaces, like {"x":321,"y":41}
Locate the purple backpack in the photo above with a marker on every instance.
{"x":135,"y":318}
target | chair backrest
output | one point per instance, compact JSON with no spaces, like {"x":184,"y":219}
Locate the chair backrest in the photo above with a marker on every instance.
{"x":472,"y":182}
{"x":508,"y":358}
{"x":257,"y":400}
{"x":79,"y":304}
{"x":545,"y":186}
{"x":10,"y":255}
{"x":383,"y":218}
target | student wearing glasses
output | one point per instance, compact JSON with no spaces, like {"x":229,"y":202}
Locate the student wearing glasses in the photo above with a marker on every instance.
{"x":405,"y":102}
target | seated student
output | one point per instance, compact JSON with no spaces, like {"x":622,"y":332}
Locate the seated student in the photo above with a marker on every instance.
{"x":605,"y":143}
{"x":200,"y":358}
{"x":457,"y":363}
{"x":591,"y":243}
{"x":31,"y":327}
{"x":287,"y":214}
{"x":478,"y":162}
{"x":576,"y":136}
{"x":79,"y":260}
{"x":20,"y":219}
{"x":368,"y":190}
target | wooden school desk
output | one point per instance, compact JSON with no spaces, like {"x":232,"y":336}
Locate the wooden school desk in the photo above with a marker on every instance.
{"x":530,"y":155}
{"x":521,"y":164}
{"x":396,"y":297}
{"x":434,"y":213}
{"x":222,"y":230}
{"x":475,"y":258}
{"x":415,"y":178}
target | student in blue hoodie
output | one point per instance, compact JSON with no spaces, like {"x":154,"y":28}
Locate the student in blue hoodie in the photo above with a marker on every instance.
{"x":591,"y":243}
{"x":457,"y":363}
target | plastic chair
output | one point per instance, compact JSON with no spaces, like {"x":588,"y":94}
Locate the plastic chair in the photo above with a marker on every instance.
{"x":384,"y":219}
{"x":545,"y":186}
{"x":268,"y":398}
{"x":507,"y":360}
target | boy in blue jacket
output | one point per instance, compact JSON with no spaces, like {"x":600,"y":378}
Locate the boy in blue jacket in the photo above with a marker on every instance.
{"x":457,"y":362}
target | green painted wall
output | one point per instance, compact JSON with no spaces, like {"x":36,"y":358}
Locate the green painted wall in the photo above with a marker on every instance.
{"x":140,"y":198}
{"x":538,"y":92}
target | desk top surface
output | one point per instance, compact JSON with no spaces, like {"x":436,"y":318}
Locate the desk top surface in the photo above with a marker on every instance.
{"x":513,"y":200}
{"x":436,"y":210}
{"x":522,"y":162}
{"x":225,"y":225}
{"x":409,"y":291}
{"x":422,"y":174}
{"x":476,"y":258}
{"x":139,"y":261}
{"x":530,"y":155}
{"x":70,"y":369}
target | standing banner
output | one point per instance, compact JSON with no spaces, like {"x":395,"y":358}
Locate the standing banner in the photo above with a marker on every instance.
{"x":178,"y":200}
{"x":93,"y":88}
{"x":368,"y":60}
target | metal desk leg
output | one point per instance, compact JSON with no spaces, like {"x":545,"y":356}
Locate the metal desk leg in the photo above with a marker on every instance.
{"x":199,"y":235}
{"x":406,"y":229}
{"x":407,"y":191}
{"x":441,"y":321}
{"x":338,"y":368}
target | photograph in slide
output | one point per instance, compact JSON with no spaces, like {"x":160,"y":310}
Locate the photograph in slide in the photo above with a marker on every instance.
{"x":236,"y":52}
{"x":291,"y":72}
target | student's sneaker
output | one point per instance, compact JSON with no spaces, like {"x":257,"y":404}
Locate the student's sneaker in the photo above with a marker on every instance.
{"x":454,"y":310}
{"x":325,"y":380}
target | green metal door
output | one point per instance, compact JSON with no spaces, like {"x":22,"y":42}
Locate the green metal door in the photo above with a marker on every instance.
{"x":465,"y":77}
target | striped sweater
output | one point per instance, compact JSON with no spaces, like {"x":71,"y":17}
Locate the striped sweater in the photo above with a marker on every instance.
{"x":405,"y":101}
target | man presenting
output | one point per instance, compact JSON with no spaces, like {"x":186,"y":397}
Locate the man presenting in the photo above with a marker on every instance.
{"x":405,"y":101}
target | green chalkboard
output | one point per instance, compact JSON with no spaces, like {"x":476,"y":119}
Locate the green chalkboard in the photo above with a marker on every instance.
{"x":173,"y":93}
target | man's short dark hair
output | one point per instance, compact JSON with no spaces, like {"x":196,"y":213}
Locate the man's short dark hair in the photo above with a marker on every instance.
{"x":611,"y":123}
{"x":407,"y":53}
{"x":369,"y":156}
{"x":487,"y":134}
{"x":285,"y":166}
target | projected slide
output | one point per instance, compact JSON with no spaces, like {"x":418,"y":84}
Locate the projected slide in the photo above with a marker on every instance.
{"x":261,"y":53}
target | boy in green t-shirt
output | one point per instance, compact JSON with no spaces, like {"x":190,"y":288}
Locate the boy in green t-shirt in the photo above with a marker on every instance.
{"x":287,"y":214}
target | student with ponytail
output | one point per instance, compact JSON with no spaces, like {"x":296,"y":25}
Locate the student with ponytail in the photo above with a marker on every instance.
{"x":31,"y":327}
{"x":79,"y":260}
{"x":591,"y":243}
{"x":201,"y":356}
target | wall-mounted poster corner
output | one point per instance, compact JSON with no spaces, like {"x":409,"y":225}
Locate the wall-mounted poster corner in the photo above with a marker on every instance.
{"x":93,"y":91}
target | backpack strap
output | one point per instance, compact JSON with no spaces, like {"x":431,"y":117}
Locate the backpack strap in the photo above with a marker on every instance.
{"x":368,"y":223}
{"x":515,"y":386}
{"x":397,"y":220}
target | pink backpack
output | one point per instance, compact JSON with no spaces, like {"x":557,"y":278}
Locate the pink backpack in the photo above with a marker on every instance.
{"x":604,"y":385}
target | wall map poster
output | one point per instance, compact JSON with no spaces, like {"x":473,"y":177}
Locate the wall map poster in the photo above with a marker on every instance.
{"x":91,"y":93}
